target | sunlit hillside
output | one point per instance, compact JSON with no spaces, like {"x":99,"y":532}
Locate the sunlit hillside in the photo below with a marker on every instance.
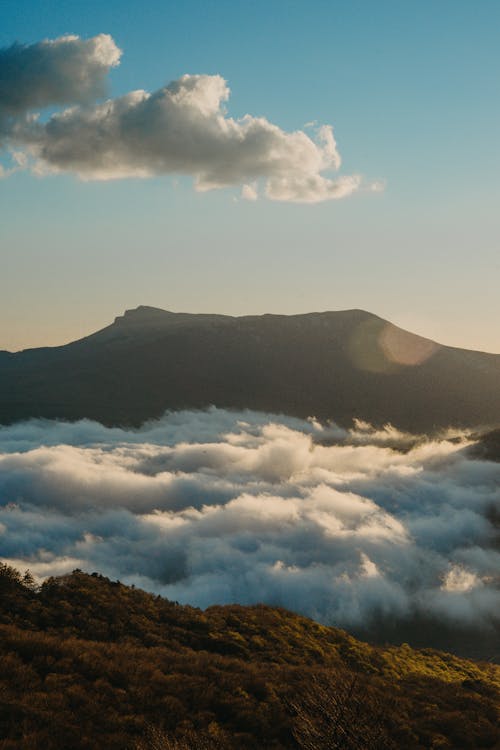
{"x":86,"y":662}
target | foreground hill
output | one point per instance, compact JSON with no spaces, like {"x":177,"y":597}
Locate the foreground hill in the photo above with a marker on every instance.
{"x":336,"y":365}
{"x":87,"y":663}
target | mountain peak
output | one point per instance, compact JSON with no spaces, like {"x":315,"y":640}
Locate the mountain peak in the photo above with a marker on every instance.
{"x":142,"y":313}
{"x":146,"y":314}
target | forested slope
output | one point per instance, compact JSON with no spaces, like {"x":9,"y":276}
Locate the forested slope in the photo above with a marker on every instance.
{"x":88,"y":663}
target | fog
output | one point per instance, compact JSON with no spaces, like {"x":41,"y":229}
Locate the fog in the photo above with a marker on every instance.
{"x":217,"y":506}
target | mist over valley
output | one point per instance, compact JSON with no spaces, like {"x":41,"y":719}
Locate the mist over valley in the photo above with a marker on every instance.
{"x":391,"y":535}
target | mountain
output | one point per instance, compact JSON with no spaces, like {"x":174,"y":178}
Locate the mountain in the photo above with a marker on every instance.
{"x":487,"y":446}
{"x":333,"y":365}
{"x":90,"y":663}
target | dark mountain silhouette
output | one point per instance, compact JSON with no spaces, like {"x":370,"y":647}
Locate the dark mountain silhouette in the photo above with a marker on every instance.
{"x":337,"y":365}
{"x":487,"y":446}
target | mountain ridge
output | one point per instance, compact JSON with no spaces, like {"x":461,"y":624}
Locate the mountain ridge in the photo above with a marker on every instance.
{"x":336,"y":365}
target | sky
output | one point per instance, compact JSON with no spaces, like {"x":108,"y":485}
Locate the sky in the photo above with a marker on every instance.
{"x":173,"y":200}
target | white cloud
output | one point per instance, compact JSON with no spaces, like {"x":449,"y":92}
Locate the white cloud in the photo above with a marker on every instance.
{"x":182,"y":128}
{"x":249,"y":192}
{"x":59,"y":71}
{"x":460,"y":580}
{"x":217,"y":506}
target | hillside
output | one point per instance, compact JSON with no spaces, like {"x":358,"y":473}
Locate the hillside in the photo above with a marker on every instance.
{"x":86,"y":662}
{"x":334,"y":365}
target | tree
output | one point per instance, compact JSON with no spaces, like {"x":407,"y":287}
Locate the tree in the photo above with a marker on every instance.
{"x":340,"y":710}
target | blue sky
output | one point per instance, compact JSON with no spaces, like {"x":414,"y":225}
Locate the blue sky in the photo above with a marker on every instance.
{"x":412,"y":92}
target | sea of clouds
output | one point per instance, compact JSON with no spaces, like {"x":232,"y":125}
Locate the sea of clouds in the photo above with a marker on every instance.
{"x":218,"y":506}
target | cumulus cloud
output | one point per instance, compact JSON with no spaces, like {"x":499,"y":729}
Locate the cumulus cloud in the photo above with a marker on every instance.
{"x":182,"y":128}
{"x":217,"y":506}
{"x":55,"y":71}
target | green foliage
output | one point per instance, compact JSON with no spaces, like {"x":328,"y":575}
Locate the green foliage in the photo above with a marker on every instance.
{"x":86,"y":662}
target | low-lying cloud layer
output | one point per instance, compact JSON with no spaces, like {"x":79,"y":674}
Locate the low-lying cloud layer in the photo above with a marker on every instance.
{"x":182,"y":128}
{"x":217,"y":506}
